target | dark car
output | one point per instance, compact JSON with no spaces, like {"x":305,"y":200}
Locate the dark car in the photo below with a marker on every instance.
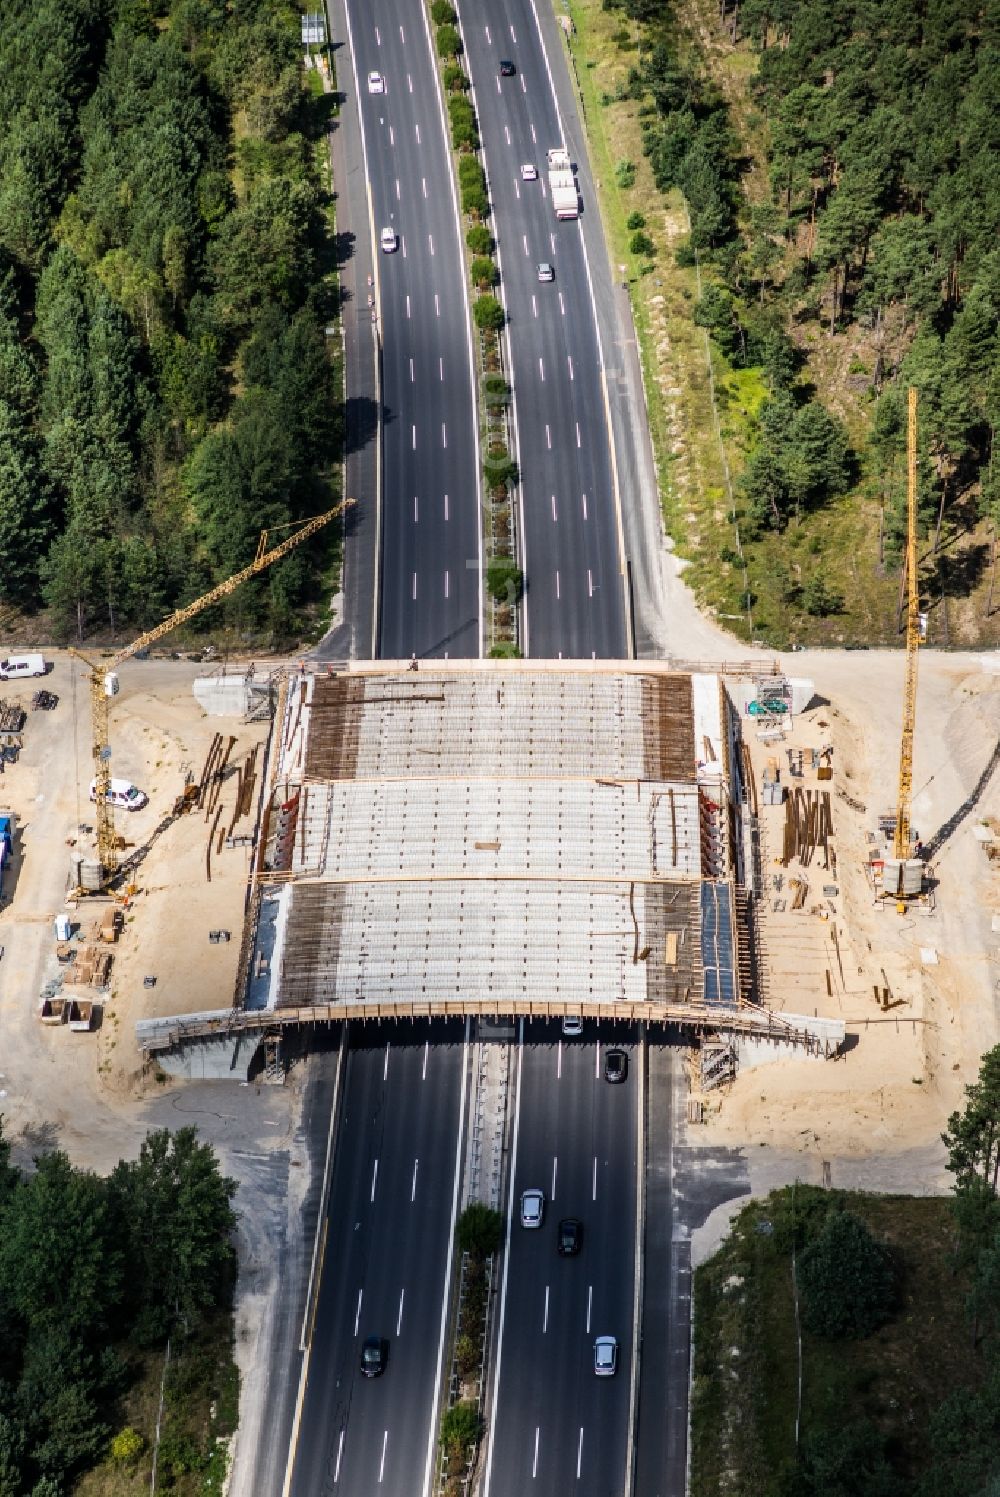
{"x":570,"y":1237}
{"x":615,"y":1065}
{"x":374,"y":1355}
{"x":507,"y":68}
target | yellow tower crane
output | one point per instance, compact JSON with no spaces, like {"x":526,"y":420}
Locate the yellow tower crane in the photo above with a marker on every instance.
{"x":914,"y":634}
{"x":104,"y":681}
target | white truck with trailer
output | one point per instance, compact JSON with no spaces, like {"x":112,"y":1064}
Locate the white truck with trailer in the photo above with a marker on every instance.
{"x":562,"y":184}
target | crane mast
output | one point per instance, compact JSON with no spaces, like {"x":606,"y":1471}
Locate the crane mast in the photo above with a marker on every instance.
{"x":104,"y":682}
{"x":902,"y":847}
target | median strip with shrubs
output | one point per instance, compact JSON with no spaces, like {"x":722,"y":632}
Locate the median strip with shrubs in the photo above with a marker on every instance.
{"x":478,"y":1235}
{"x":500,"y":469}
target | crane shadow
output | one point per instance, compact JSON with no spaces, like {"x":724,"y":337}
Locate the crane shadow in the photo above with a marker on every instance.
{"x":933,"y":846}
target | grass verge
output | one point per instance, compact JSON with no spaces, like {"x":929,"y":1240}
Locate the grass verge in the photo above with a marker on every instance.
{"x":839,"y":542}
{"x":689,"y":460}
{"x":200,"y":1414}
{"x":745,"y":1381}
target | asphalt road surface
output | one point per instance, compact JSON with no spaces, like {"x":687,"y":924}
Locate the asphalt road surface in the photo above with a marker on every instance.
{"x":389,"y":1231}
{"x":574,"y":586}
{"x":556,"y":1426}
{"x":429,"y":602}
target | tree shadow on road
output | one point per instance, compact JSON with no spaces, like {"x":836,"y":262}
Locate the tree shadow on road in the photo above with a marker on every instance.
{"x":361,"y":422}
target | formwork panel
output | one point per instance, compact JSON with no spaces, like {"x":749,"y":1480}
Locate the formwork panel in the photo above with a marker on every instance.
{"x":498,"y":829}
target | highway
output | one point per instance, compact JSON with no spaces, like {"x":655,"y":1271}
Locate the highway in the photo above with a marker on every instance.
{"x":388,"y":1234}
{"x":429,"y":589}
{"x":554,"y":1422}
{"x":574,"y":588}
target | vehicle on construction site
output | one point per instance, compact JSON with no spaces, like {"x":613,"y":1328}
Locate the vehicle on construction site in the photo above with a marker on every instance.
{"x":122,"y":794}
{"x":562,"y":184}
{"x":13,"y":667}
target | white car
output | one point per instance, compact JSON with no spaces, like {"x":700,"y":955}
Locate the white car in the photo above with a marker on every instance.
{"x":532,"y":1208}
{"x":572,"y":1025}
{"x":121,"y":793}
{"x":529,"y":173}
{"x":605,"y":1356}
{"x":376,"y":83}
{"x":546,"y":272}
{"x":389,"y":240}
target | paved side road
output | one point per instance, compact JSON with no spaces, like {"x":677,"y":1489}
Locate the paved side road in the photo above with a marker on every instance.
{"x":273,"y":1141}
{"x":685,"y":1182}
{"x":354,"y":637}
{"x":641,"y":519}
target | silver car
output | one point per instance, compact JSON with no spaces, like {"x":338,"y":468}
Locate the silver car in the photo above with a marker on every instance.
{"x":605,"y":1356}
{"x":532,"y":1208}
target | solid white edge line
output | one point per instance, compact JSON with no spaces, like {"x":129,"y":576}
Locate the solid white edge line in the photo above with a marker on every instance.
{"x":325,"y":1195}
{"x":446,"y":1295}
{"x":623,"y":569}
{"x":506,"y":1263}
{"x":376,"y":339}
{"x":505,"y":335}
{"x":457,"y":220}
{"x":293,"y":1439}
{"x":637,"y":1265}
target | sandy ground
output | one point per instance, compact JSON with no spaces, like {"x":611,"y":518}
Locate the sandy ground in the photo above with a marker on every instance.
{"x":166,"y":933}
{"x":891,"y":1094}
{"x":71,"y":1089}
{"x":893,"y":1090}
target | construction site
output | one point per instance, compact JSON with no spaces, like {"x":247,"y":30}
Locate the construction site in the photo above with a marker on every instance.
{"x":476,"y":838}
{"x":717,"y":849}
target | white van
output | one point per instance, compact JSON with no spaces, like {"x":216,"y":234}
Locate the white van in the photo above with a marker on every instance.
{"x":16,"y":666}
{"x":121,"y":794}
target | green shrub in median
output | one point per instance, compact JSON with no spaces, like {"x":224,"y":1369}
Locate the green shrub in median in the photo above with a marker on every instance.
{"x":460,"y":1429}
{"x":449,"y":43}
{"x":496,"y":390}
{"x":464,"y":129}
{"x":488,"y":314}
{"x":504,"y":580}
{"x":499,"y":466}
{"x":480,"y":240}
{"x":443,"y":14}
{"x":472,"y":183}
{"x":455,"y":79}
{"x":483,"y":272}
{"x":479,"y":1230}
